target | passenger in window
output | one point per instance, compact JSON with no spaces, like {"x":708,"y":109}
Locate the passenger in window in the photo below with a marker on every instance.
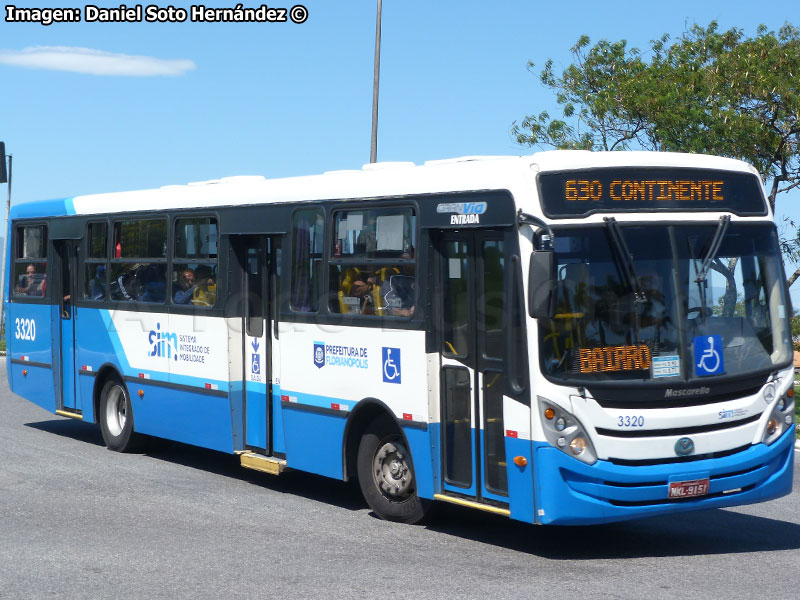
{"x":187,"y":284}
{"x":398,"y":291}
{"x":205,"y":293}
{"x":362,"y":289}
{"x":32,"y":283}
{"x":97,"y":285}
{"x":131,"y":285}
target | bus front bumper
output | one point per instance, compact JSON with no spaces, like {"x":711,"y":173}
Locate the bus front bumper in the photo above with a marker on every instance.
{"x":569,"y":492}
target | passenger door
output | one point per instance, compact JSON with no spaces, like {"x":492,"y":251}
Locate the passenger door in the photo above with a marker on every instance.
{"x":471,"y":278}
{"x":66,"y":270}
{"x":257,"y":255}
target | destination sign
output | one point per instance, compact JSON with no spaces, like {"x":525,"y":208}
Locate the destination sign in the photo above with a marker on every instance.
{"x":579,"y":193}
{"x":614,"y":358}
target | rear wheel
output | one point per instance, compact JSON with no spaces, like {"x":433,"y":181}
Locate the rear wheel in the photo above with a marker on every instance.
{"x":386,"y":474}
{"x":116,"y":417}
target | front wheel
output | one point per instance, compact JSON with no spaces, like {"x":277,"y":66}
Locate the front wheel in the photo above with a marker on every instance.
{"x":116,"y":417}
{"x":386,"y":474}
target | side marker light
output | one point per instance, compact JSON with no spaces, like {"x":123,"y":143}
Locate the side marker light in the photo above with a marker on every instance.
{"x":520,"y":461}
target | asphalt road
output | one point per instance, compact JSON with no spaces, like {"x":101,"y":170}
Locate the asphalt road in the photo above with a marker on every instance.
{"x":78,"y":521}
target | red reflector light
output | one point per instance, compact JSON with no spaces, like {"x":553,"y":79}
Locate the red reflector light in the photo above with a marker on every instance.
{"x":511,"y":433}
{"x":335,"y":406}
{"x":408,"y":416}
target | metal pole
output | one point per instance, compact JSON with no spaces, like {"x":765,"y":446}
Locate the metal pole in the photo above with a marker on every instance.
{"x":373,"y":154}
{"x":5,"y":248}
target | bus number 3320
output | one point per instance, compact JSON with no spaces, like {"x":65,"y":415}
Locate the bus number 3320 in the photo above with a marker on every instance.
{"x":26,"y":329}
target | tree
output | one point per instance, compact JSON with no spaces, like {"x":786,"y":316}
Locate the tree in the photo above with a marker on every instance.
{"x":796,"y":331}
{"x":707,"y":92}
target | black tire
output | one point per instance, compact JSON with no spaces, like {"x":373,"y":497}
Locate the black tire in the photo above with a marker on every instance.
{"x":116,"y":417}
{"x":386,"y":474}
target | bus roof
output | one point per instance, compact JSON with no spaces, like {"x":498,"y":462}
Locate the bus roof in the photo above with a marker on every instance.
{"x":516,"y":174}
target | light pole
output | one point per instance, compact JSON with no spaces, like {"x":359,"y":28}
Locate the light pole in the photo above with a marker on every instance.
{"x":373,"y":154}
{"x":5,"y":177}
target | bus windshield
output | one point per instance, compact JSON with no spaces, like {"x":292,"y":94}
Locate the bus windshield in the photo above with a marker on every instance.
{"x":635,"y":303}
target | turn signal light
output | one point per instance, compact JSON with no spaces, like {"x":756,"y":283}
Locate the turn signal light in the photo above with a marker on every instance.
{"x":790,"y":393}
{"x":25,"y":372}
{"x":520,"y":461}
{"x":549,"y":413}
{"x":141,"y":393}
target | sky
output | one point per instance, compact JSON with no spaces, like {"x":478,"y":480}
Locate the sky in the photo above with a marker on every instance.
{"x":94,"y":107}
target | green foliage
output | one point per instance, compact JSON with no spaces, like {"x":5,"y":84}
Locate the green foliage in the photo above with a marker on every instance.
{"x":708,"y":92}
{"x":724,"y":307}
{"x":795,"y":322}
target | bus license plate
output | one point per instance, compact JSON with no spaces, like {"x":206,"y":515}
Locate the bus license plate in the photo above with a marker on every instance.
{"x":688,"y":489}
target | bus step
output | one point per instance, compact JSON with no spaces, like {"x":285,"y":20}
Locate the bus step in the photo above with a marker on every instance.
{"x":470,"y":504}
{"x":70,"y":414}
{"x":265,"y":464}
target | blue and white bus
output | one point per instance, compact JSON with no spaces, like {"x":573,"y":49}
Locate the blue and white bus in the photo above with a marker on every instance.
{"x":561,"y":338}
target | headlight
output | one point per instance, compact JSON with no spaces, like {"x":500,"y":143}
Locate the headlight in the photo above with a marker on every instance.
{"x":781,"y":419}
{"x":565,"y":432}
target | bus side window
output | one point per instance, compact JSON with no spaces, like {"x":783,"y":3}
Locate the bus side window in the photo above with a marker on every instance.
{"x":194,"y":278}
{"x":30,"y":262}
{"x":139,"y":266}
{"x":372,"y":264}
{"x":96,"y":262}
{"x":307,"y":235}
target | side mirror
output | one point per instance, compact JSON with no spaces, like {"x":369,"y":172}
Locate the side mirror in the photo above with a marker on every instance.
{"x":542,"y":287}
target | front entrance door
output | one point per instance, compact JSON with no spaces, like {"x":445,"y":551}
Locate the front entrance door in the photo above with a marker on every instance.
{"x":66,"y":270}
{"x":472,"y":271}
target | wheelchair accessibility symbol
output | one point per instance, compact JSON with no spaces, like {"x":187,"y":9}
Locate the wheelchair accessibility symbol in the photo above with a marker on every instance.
{"x":391,"y":365}
{"x":708,"y":355}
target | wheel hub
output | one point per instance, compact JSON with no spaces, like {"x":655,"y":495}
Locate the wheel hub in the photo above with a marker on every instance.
{"x":392,"y":472}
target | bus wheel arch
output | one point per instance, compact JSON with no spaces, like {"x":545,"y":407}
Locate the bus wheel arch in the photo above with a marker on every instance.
{"x":377,"y":450}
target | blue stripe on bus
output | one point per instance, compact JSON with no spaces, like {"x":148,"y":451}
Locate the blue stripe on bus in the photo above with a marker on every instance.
{"x":314,"y":442}
{"x":58,"y":207}
{"x":256,"y":408}
{"x":573,"y":493}
{"x":419,"y":444}
{"x":520,"y":480}
{"x":191,"y":418}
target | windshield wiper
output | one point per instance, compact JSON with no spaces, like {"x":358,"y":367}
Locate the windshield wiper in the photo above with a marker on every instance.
{"x":724,"y":221}
{"x":713,"y":248}
{"x":626,"y":259}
